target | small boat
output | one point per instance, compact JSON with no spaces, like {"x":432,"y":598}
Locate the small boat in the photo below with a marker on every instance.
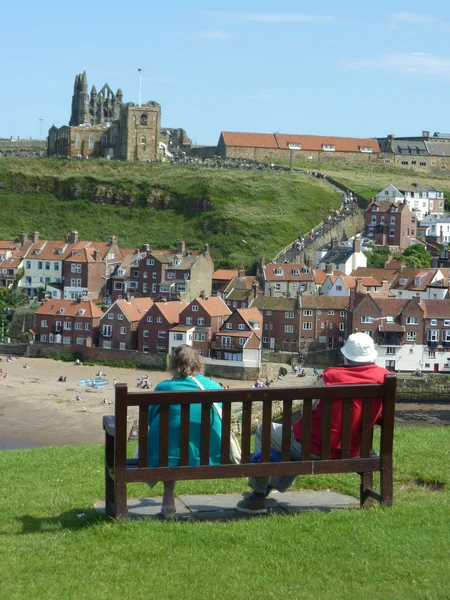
{"x":96,"y":382}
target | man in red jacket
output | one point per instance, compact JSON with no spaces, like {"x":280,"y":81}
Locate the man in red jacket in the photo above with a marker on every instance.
{"x":359,"y":368}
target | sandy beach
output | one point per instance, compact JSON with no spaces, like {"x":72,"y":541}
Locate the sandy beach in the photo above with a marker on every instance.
{"x":37,"y":410}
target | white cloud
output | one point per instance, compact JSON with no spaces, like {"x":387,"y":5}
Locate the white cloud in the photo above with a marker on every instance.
{"x":215,"y":35}
{"x":407,"y":18}
{"x":272,"y":17}
{"x":413,"y":63}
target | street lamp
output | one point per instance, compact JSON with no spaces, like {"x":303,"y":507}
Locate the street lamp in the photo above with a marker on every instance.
{"x":140,"y":85}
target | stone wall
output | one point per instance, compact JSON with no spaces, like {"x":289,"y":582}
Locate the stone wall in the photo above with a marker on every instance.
{"x":14,"y":349}
{"x":155,"y":361}
{"x":23,"y":148}
{"x":267,"y":153}
{"x":428,"y":387}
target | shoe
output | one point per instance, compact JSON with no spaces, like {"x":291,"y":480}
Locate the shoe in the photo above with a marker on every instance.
{"x":168,"y":513}
{"x":252,"y":505}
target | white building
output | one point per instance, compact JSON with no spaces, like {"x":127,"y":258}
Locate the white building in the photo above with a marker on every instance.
{"x":437,"y":226}
{"x":421,"y":200}
{"x":342,"y":256}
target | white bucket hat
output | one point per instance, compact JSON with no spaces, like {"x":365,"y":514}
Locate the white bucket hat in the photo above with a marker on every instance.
{"x":359,"y":348}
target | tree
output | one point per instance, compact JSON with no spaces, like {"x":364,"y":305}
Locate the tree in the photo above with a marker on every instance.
{"x":417,"y":256}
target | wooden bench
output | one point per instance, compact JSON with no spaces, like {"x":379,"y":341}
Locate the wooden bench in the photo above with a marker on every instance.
{"x":120,"y":470}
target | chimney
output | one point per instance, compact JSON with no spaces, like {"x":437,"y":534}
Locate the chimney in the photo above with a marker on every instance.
{"x":111,"y":239}
{"x":181,"y":247}
{"x":416,"y":299}
{"x":73,"y":237}
{"x":79,"y":299}
{"x":334,"y":243}
{"x":329,"y":268}
{"x":145,"y":248}
{"x":206,"y":250}
{"x":97,"y":255}
{"x":425,"y":133}
{"x":202,"y":294}
{"x":241,"y":272}
{"x":23,"y":237}
{"x":271,"y":291}
{"x":261,"y":261}
{"x":309,"y":261}
{"x":35,"y":237}
{"x":357,"y":244}
{"x":384,"y":287}
{"x":360,"y":287}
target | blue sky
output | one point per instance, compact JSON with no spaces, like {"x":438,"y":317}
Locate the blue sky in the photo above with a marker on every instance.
{"x":338,"y":68}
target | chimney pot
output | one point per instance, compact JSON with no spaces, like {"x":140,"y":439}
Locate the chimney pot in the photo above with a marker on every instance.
{"x":181,"y":247}
{"x":35,"y":237}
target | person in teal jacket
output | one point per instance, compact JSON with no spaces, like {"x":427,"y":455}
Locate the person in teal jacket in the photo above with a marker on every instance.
{"x":187,"y":368}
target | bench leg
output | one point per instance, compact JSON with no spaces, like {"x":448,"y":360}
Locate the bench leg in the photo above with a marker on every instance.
{"x":366,"y":483}
{"x":110,"y":504}
{"x":386,"y":481}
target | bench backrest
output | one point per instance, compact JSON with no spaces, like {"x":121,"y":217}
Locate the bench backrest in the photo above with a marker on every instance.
{"x":233,"y":397}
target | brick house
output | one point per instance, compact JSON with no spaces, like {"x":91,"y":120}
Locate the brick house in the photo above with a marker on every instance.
{"x":176,"y":274}
{"x":239,"y":338}
{"x":240,"y":291}
{"x":67,"y":322}
{"x":390,"y":224}
{"x":118,"y":325}
{"x":155,"y":327}
{"x":125,"y":279}
{"x":222,"y":278}
{"x":285,"y":279}
{"x":198,"y":323}
{"x":303,"y":323}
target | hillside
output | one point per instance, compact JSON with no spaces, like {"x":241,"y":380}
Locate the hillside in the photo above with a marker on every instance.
{"x":160,"y":203}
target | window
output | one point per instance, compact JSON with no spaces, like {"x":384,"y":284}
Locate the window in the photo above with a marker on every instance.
{"x":162,"y":334}
{"x":144,"y":288}
{"x":241,"y":326}
{"x":433,"y":322}
{"x":328,"y":147}
{"x":47,"y":266}
{"x":91,"y":141}
{"x":269,"y":313}
{"x":242,"y":341}
{"x":200,"y":321}
{"x":295,"y":272}
{"x":143,"y":142}
{"x":288,"y":329}
{"x":289,"y":315}
{"x":145,"y":275}
{"x":404,"y":162}
{"x":149,"y":262}
{"x":331,"y":312}
{"x":307,"y":325}
{"x":341,"y":327}
{"x":446,"y":335}
{"x":153,"y":288}
{"x":411,"y":336}
{"x":412,"y":320}
{"x":107,"y":330}
{"x":78,"y":326}
{"x":44,"y":323}
{"x":111,"y":316}
{"x":195,"y":308}
{"x":87,"y":326}
{"x":75,"y":268}
{"x":39,"y":264}
{"x":159,"y":319}
{"x":123,"y":330}
{"x":154,"y":275}
{"x":391,"y":232}
{"x":107,"y":345}
{"x":170,"y":274}
{"x":339,"y":288}
{"x":120,"y":317}
{"x":67,"y":325}
{"x":78,"y":141}
{"x":188,"y":320}
{"x":79,"y":341}
{"x":228,"y":326}
{"x":322,"y":326}
{"x":307,"y":313}
{"x":392,"y":220}
{"x":366,"y":319}
{"x":422,"y":164}
{"x":342,"y":313}
{"x":433,"y":335}
{"x":278,"y":271}
{"x":145,"y":333}
{"x":67,"y":340}
{"x":322,"y":339}
{"x":199,"y":337}
{"x":149,"y":319}
{"x":390,"y":350}
{"x":117,"y":285}
{"x":122,"y":346}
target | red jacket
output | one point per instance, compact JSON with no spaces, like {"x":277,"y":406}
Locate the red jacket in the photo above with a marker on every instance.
{"x":343,"y":376}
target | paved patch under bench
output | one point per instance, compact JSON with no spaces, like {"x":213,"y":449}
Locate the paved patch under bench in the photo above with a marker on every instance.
{"x":223,"y":506}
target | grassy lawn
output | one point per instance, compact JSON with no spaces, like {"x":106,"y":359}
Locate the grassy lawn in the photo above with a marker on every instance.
{"x":48,"y":551}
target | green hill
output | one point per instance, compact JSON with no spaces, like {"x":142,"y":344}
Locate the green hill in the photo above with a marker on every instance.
{"x":240,"y":214}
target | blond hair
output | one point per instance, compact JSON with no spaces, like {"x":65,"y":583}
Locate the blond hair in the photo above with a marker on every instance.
{"x":185,"y":362}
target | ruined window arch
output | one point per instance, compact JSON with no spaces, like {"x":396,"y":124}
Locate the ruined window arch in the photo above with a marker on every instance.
{"x":91,"y":141}
{"x":143,"y":142}
{"x":78,"y":141}
{"x":104,"y":139}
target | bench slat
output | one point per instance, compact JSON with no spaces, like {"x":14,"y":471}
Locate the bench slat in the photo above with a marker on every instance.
{"x":226,"y":431}
{"x":143,"y":436}
{"x":366,"y":429}
{"x":326,"y":429}
{"x":164,"y":436}
{"x":306,"y":429}
{"x":346,"y":427}
{"x":246,"y":431}
{"x":266,"y":431}
{"x":184,"y":434}
{"x":205,"y":434}
{"x":287,"y":431}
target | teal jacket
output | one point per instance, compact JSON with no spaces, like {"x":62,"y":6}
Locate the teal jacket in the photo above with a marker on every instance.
{"x":175,"y":385}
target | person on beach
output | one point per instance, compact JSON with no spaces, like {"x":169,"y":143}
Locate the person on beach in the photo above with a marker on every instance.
{"x":187,"y":374}
{"x":359,"y":368}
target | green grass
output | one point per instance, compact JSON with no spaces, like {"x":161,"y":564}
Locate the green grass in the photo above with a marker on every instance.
{"x":47,"y":551}
{"x":159,"y":203}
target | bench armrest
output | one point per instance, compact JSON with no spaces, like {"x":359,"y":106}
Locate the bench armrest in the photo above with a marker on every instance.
{"x":109,"y":424}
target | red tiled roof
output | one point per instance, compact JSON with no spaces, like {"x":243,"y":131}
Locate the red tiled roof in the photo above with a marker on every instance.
{"x":251,"y":314}
{"x":328,"y":302}
{"x":214,"y":306}
{"x":135,"y":308}
{"x":287,"y":269}
{"x":171,"y":310}
{"x":71,"y":308}
{"x":316,"y":142}
{"x":437,"y":309}
{"x":250,"y":140}
{"x":225,"y":274}
{"x":378,"y":274}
